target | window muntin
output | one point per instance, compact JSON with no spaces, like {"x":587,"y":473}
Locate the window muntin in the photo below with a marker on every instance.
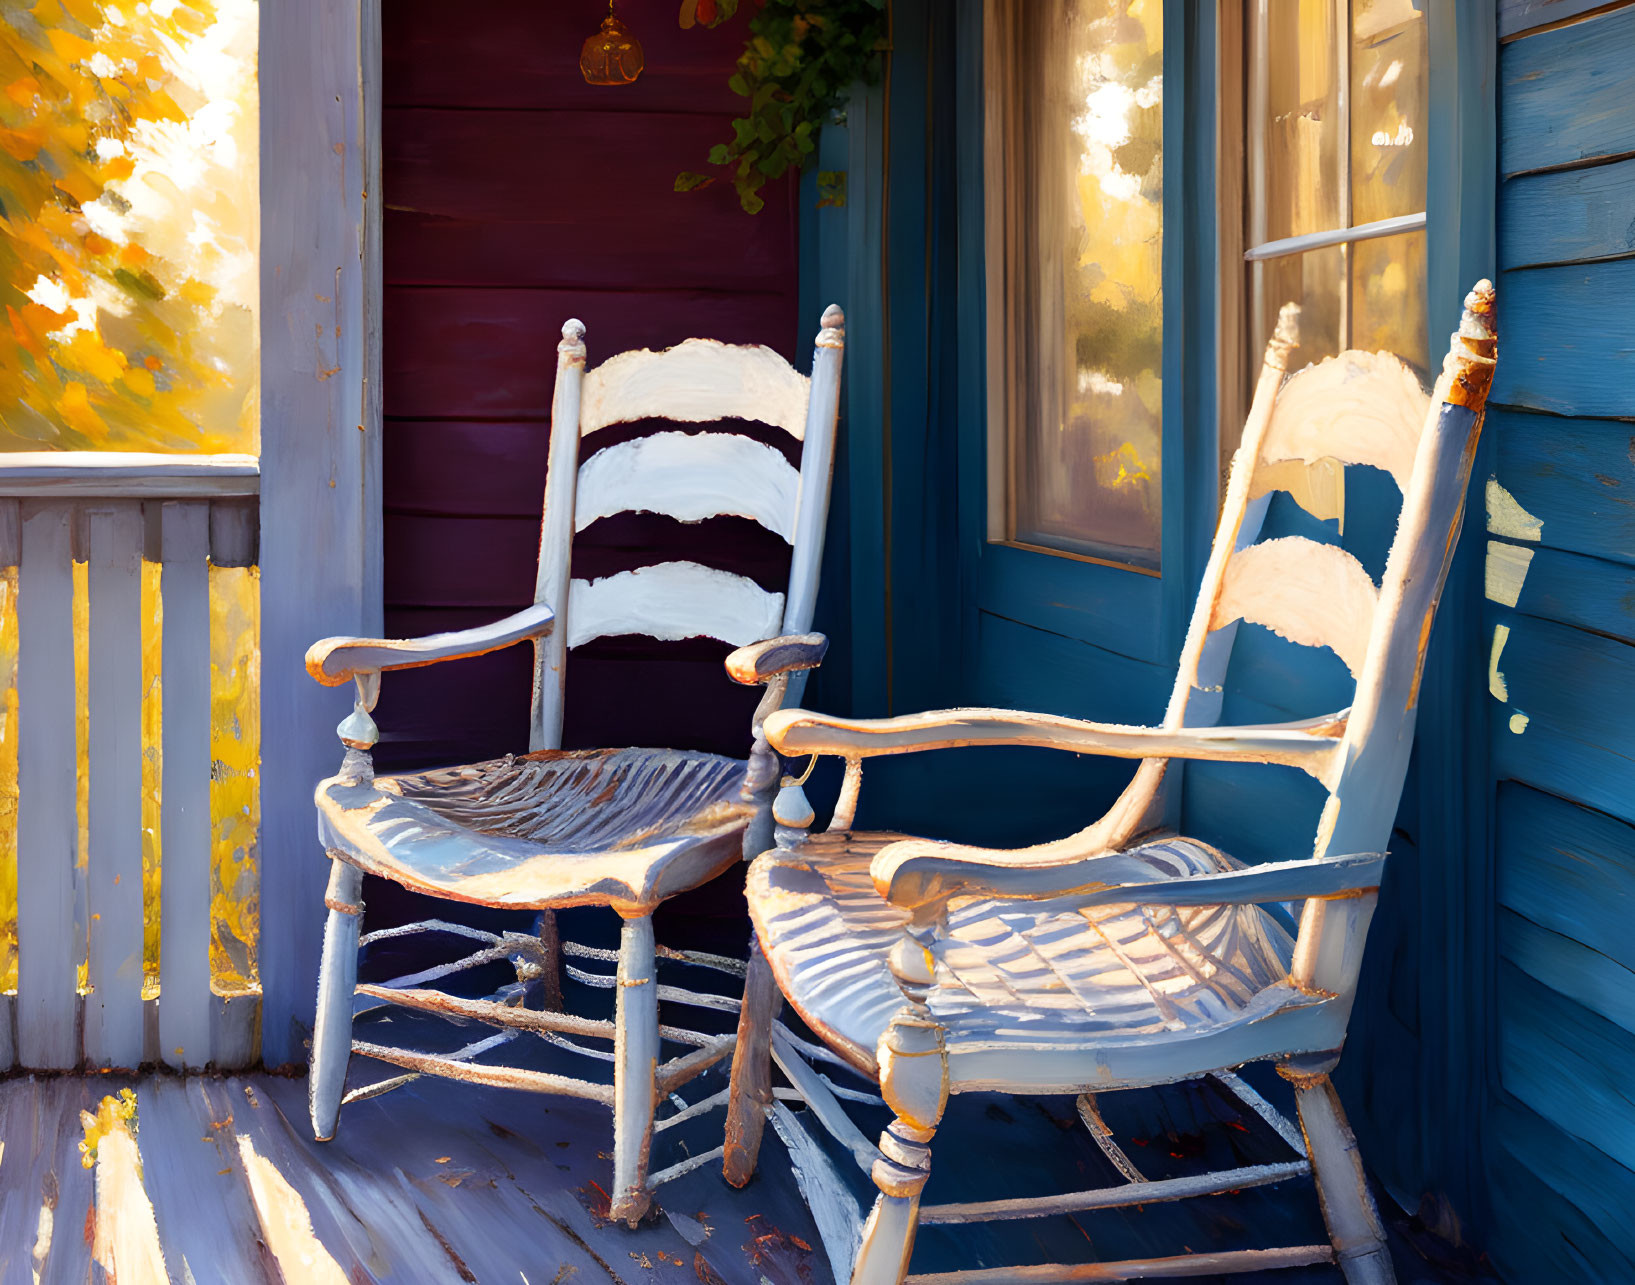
{"x":1075,"y":244}
{"x":1336,"y":179}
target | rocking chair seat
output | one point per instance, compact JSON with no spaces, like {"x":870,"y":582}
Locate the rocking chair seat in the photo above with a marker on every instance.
{"x":1038,"y":975}
{"x":624,"y":828}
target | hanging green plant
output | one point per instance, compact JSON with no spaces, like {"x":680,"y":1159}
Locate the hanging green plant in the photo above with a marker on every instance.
{"x":801,"y":58}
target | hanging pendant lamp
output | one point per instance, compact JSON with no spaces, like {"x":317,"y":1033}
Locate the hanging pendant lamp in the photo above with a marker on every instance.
{"x":612,"y":56}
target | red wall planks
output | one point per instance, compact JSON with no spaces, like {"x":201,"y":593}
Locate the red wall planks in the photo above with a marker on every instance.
{"x":518,"y":196}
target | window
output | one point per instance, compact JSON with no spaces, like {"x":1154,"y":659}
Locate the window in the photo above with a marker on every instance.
{"x":1074,"y":156}
{"x":1334,"y":208}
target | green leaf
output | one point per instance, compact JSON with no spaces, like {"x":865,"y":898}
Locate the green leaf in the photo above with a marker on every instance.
{"x":798,"y":60}
{"x":687,"y":181}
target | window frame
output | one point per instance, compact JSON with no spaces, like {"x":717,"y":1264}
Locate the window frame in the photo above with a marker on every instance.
{"x":1005,"y":450}
{"x":1137,"y":612}
{"x":1241,"y":107}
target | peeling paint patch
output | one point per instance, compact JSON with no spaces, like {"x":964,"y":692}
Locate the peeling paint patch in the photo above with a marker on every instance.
{"x":1507,"y":566}
{"x":1495,"y":676}
{"x":1505,"y":515}
{"x":1518,"y":722}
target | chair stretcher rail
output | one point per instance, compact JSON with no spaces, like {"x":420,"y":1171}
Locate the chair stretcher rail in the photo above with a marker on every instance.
{"x":1134,"y":1193}
{"x":500,"y":1077}
{"x":1229,"y":1263}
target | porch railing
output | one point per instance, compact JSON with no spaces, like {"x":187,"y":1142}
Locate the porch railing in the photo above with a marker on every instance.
{"x":86,"y":992}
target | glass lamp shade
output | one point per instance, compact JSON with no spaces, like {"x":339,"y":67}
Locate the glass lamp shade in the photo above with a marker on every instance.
{"x":612,"y":56}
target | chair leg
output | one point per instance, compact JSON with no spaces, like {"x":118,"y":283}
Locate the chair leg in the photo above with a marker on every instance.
{"x":750,"y":1093}
{"x":1342,"y":1187}
{"x":914,"y":1081}
{"x":551,"y":944}
{"x":337,"y":978}
{"x":888,"y":1236}
{"x":636,"y":1054}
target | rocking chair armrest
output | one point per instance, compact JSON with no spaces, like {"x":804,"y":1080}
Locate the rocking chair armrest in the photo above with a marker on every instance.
{"x":763,"y":661}
{"x":1310,"y":744}
{"x":922,"y":875}
{"x":333,"y":661}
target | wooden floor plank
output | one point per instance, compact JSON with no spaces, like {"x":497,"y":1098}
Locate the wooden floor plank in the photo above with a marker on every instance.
{"x":445,"y":1182}
{"x":22,"y":1177}
{"x":365,"y":1251}
{"x":355,"y":1210}
{"x":60,"y":1180}
{"x":191,"y":1168}
{"x":456,"y":1173}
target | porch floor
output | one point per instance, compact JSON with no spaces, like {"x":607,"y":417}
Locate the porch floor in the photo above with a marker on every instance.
{"x":444,"y":1182}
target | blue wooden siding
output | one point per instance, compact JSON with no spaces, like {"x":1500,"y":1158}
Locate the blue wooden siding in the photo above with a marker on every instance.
{"x":1487,"y":1070}
{"x":1561,"y":664}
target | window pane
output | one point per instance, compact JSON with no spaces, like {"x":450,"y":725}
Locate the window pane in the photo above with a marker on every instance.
{"x":1389,"y":70}
{"x":128,"y":257}
{"x":1085,"y":453}
{"x":1301,"y":121}
{"x":1313,"y":281}
{"x":1388,"y":297}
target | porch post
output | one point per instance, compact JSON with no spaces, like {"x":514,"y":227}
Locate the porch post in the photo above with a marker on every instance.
{"x":320,"y":450}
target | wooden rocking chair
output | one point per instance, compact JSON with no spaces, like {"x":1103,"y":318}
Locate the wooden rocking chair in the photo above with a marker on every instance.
{"x":1126,"y":955}
{"x":624,"y":828}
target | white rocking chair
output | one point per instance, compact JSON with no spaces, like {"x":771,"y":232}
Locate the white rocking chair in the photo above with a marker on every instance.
{"x":624,"y":828}
{"x":1125,"y":955}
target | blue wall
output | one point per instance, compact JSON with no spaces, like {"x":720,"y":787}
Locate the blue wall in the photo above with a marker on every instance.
{"x":1487,"y":1072}
{"x":1561,"y":1123}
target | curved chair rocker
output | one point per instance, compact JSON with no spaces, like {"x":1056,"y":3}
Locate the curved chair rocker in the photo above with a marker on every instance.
{"x":1125,"y":955}
{"x":624,"y":828}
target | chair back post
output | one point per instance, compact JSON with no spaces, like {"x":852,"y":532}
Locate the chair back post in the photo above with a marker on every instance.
{"x":556,"y":539}
{"x":1362,"y":805}
{"x":817,"y":467}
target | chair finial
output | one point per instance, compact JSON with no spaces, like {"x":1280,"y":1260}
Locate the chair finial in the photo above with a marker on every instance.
{"x":833,"y":334}
{"x":1477,"y":321}
{"x":1468,"y":368}
{"x":573,"y":337}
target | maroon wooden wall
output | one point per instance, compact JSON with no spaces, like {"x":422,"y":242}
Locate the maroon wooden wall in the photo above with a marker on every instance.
{"x":518,"y":196}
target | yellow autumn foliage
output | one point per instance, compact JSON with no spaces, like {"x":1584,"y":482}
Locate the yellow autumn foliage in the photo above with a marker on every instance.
{"x":115,"y":1114}
{"x":128,"y":225}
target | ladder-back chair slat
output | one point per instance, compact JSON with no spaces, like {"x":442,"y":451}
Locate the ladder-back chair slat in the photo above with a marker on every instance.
{"x":695,"y":382}
{"x":673,"y":600}
{"x":690,"y":477}
{"x":1314,"y":594}
{"x":1356,"y":408}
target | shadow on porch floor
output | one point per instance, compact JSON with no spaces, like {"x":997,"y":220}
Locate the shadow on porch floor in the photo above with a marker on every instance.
{"x":443,"y":1182}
